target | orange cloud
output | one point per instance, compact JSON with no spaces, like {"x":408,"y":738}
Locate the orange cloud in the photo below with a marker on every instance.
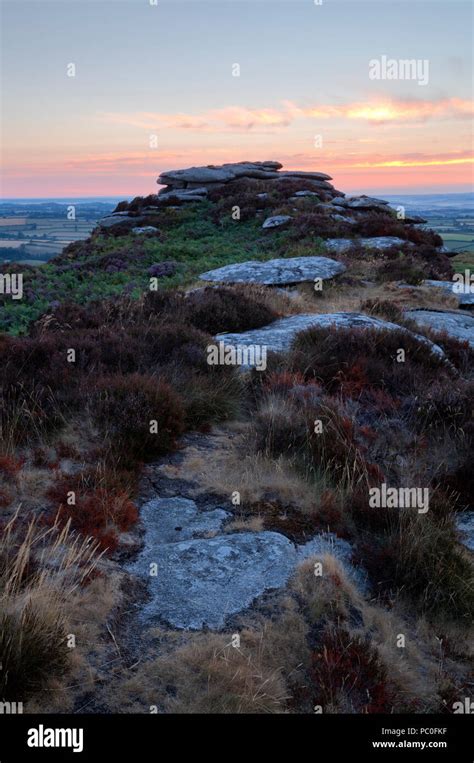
{"x":377,"y":111}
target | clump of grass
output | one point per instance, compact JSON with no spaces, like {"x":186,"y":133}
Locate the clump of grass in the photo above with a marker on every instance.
{"x":40,"y":569}
{"x":348,"y":675}
{"x":401,"y":268}
{"x":209,"y":397}
{"x":140,"y":416}
{"x":359,"y":359}
{"x":418,"y":557}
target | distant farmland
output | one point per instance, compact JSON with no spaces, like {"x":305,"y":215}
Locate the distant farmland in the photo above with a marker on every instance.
{"x":41,"y":237}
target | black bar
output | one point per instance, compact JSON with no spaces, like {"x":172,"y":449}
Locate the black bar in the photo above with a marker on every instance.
{"x":156,"y":737}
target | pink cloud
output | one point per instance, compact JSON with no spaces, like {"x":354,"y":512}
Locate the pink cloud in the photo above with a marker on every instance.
{"x":232,"y":118}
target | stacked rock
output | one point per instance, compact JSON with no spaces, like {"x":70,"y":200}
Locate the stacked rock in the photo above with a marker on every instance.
{"x":195,"y":182}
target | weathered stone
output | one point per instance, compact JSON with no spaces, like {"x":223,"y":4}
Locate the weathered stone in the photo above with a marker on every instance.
{"x":196,"y":175}
{"x":196,"y":190}
{"x":281,"y":271}
{"x":201,"y":580}
{"x":341,"y":245}
{"x":305,"y":193}
{"x":182,"y":195}
{"x":457,"y":324}
{"x":279,"y":335}
{"x":276,"y":222}
{"x":171,"y":520}
{"x":305,"y":175}
{"x":251,"y":171}
{"x":344,"y":219}
{"x":360,"y":202}
{"x":145,"y":229}
{"x":464,"y":293}
{"x":120,"y":218}
{"x":221,"y":173}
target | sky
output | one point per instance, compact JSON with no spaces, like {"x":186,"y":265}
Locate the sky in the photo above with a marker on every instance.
{"x":155,"y":88}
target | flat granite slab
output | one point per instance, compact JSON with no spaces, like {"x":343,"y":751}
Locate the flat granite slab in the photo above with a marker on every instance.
{"x":196,"y":581}
{"x":278,"y":336}
{"x":460,"y":325}
{"x":277,"y":272}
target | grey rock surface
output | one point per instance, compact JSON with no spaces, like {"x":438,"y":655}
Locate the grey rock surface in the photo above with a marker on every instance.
{"x":183,"y":192}
{"x":171,"y":520}
{"x":278,"y":336}
{"x":304,"y":175}
{"x":281,"y":271}
{"x":181,"y":195}
{"x":360,"y":202}
{"x":119,"y":218}
{"x":457,"y":324}
{"x":145,"y":229}
{"x":341,"y":245}
{"x":276,"y":221}
{"x":200,"y":581}
{"x":196,"y":175}
{"x":221,"y":173}
{"x":302,"y":194}
{"x":465,"y":294}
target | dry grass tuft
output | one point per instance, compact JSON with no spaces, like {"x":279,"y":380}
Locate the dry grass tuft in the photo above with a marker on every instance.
{"x":40,"y":570}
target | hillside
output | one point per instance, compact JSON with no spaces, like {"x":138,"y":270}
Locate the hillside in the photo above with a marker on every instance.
{"x":235,"y":459}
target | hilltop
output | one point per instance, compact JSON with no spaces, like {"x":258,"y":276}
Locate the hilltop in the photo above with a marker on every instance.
{"x":235,"y":457}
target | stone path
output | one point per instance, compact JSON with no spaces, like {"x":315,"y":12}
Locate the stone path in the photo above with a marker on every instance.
{"x":204,"y":575}
{"x":200,"y":581}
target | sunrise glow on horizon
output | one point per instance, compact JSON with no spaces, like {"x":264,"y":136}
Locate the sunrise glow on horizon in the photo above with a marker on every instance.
{"x":164,"y":75}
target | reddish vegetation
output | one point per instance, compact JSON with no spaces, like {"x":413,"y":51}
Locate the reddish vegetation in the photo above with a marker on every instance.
{"x":347,"y":671}
{"x":98,"y":514}
{"x":9,"y":467}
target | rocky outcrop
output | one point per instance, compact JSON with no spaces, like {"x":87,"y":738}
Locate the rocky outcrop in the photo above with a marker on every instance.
{"x":213,"y":176}
{"x":201,"y":580}
{"x":220,"y":173}
{"x":264,"y":190}
{"x":276,"y":272}
{"x":459,"y":325}
{"x":278,"y":336}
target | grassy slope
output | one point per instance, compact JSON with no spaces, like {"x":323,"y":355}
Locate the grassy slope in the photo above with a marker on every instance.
{"x":194,"y":242}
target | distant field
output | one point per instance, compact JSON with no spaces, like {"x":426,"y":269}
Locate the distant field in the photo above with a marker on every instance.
{"x":464,"y":261}
{"x":459,"y":241}
{"x":48,"y":238}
